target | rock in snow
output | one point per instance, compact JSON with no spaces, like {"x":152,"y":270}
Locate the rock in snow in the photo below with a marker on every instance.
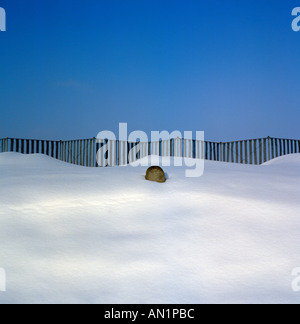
{"x":156,"y":173}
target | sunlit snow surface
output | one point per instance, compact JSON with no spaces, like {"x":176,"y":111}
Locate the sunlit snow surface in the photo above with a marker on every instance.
{"x":70,"y":234}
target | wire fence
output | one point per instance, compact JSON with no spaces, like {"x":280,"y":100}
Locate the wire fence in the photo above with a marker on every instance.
{"x":84,"y":152}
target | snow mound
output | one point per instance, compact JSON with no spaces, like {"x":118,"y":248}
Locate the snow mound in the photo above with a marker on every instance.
{"x":292,"y":160}
{"x":105,"y":235}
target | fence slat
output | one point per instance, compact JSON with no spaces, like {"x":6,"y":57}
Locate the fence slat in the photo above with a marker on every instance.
{"x":12,"y":145}
{"x":260,"y":151}
{"x":232,"y":152}
{"x":265,"y":149}
{"x":246,"y":151}
{"x":250,"y":152}
{"x":255,"y":152}
{"x":241,"y":152}
{"x":273,"y":148}
{"x":236,"y":144}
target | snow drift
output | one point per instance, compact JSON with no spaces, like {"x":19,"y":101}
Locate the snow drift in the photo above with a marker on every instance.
{"x":70,"y":234}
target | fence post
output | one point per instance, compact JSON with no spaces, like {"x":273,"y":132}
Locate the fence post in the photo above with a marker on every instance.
{"x":228,"y":152}
{"x":88,"y":155}
{"x":128,"y":152}
{"x":47,"y":148}
{"x":11,"y":144}
{"x":284,"y":147}
{"x":25,"y":146}
{"x":90,"y":144}
{"x":86,"y":152}
{"x":69,"y":156}
{"x":265,"y":149}
{"x":260,"y":151}
{"x":236,"y":144}
{"x":193,"y":149}
{"x":60,"y":150}
{"x":218,"y":152}
{"x":241,"y":153}
{"x":67,"y":151}
{"x":80,"y":152}
{"x":117,"y":153}
{"x":232,"y":152}
{"x":160,"y":148}
{"x":22,"y":146}
{"x":32,"y":147}
{"x":52,"y":149}
{"x":17,"y":145}
{"x":255,"y":152}
{"x":93,"y":152}
{"x":223,"y":152}
{"x":110,"y":147}
{"x":198,"y":148}
{"x":250,"y":152}
{"x":246,"y":151}
{"x":149,"y":148}
{"x":292,"y":147}
{"x":97,"y":150}
{"x":75,"y":151}
{"x":72,"y":154}
{"x":56,"y":150}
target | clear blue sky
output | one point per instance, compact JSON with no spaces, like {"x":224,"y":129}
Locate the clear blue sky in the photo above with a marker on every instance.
{"x":72,"y":68}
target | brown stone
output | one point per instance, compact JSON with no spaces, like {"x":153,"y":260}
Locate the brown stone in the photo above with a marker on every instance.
{"x":156,"y":173}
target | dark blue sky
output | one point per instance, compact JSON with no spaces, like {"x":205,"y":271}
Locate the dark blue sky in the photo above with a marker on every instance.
{"x":70,"y":69}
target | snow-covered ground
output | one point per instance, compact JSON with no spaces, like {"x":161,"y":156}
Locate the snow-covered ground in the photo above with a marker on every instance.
{"x":70,"y":234}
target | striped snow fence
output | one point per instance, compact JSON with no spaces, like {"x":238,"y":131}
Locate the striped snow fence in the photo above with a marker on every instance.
{"x":79,"y":152}
{"x":84,"y":152}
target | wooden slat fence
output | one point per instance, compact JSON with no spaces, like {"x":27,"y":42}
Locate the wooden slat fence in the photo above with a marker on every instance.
{"x":84,"y":152}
